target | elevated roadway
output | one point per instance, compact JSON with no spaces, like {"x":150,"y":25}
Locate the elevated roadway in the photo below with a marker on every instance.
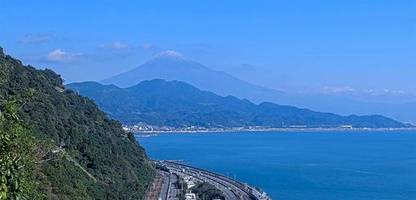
{"x":232,"y":189}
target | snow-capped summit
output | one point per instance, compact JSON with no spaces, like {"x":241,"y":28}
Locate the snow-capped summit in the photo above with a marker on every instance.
{"x":169,"y":54}
{"x":171,"y":65}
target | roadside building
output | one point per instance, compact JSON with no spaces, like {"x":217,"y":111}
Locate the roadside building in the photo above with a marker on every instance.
{"x":190,"y":196}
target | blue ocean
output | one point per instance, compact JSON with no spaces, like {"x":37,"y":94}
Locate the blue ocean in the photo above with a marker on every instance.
{"x":302,"y":165}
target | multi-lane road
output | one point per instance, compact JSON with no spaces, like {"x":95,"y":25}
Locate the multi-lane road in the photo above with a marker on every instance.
{"x":169,"y":189}
{"x":232,"y":189}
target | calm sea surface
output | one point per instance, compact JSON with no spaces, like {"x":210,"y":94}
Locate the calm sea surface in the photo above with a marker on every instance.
{"x":301,"y":165}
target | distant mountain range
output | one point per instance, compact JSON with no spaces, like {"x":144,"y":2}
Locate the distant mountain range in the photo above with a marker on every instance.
{"x":170,"y":65}
{"x":405,"y":112}
{"x":178,"y":104}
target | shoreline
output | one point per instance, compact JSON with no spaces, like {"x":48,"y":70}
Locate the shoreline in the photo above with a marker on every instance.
{"x":229,"y":186}
{"x":282,"y":130}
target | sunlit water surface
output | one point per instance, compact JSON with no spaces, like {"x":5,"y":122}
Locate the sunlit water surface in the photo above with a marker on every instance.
{"x":302,"y":165}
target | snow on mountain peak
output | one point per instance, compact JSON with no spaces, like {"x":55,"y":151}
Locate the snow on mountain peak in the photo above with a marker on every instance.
{"x":170,"y":54}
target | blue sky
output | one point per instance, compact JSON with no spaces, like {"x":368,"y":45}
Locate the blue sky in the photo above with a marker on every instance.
{"x":363,"y":47}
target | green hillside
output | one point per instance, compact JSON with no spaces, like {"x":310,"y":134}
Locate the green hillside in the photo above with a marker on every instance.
{"x":178,"y":104}
{"x":56,"y":144}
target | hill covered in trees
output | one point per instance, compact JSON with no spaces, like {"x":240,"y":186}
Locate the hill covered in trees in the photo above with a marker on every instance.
{"x":55,"y":144}
{"x":178,"y":104}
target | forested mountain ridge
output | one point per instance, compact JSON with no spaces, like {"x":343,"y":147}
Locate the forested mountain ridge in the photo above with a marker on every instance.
{"x":178,"y":104}
{"x":75,"y":150}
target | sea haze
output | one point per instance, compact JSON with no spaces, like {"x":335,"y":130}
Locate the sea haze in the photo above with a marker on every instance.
{"x":302,"y":165}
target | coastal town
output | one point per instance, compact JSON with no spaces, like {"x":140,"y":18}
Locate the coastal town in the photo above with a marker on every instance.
{"x":146,"y":129}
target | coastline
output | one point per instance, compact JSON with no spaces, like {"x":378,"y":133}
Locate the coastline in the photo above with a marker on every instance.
{"x":271,"y":159}
{"x":282,"y":130}
{"x":229,"y":186}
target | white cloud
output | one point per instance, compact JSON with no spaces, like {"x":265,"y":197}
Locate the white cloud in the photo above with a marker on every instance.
{"x":115,"y":45}
{"x":147,"y":46}
{"x":374,"y":92}
{"x":59,"y":55}
{"x":338,"y":89}
{"x":384,"y":92}
{"x":35,"y":38}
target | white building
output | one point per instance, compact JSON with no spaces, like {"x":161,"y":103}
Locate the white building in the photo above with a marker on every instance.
{"x":190,"y":196}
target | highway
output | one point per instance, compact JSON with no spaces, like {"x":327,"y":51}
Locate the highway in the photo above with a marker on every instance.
{"x":165,"y":186}
{"x":232,"y":189}
{"x":169,"y":190}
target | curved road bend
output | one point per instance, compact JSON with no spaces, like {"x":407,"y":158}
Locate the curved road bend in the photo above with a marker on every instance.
{"x":232,"y":189}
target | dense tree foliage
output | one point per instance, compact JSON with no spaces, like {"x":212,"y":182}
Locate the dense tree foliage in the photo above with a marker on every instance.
{"x":206,"y":191}
{"x":177,"y":104}
{"x":80,"y":153}
{"x":16,"y":155}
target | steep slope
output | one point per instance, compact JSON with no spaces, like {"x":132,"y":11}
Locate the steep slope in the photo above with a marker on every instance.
{"x":177,"y":104}
{"x":80,"y":152}
{"x":171,"y":66}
